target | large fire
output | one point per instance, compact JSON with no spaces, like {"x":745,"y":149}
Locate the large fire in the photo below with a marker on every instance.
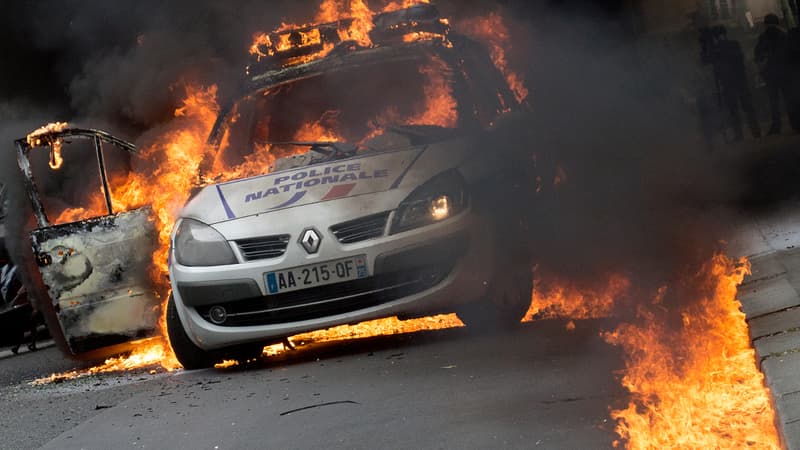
{"x":691,"y":371}
{"x":554,"y":297}
{"x":172,"y":164}
{"x":151,"y":353}
{"x":355,"y":23}
{"x":169,"y":166}
{"x":694,"y":382}
{"x":147,"y":354}
{"x":354,"y":18}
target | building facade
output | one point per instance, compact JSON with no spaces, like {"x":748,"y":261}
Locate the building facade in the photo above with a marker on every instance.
{"x":669,"y":16}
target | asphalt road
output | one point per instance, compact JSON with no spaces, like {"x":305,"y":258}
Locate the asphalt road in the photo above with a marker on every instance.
{"x":539,"y":387}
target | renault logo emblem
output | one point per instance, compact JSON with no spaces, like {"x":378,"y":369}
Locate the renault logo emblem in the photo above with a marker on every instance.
{"x":310,"y":240}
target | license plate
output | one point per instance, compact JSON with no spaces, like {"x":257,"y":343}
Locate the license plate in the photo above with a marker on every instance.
{"x":313,"y":275}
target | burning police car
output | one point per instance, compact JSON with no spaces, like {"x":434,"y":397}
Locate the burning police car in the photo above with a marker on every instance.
{"x":353,"y":176}
{"x":423,"y":215}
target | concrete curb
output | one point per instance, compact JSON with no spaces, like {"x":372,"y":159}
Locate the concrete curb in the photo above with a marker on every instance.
{"x":771,"y":301}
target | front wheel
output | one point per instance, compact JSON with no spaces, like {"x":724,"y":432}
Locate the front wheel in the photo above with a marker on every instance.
{"x":505,"y":304}
{"x":189,"y":355}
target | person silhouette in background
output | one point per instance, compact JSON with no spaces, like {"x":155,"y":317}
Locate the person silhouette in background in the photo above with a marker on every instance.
{"x":770,"y":53}
{"x":24,"y":318}
{"x":792,"y":88}
{"x":726,"y":57}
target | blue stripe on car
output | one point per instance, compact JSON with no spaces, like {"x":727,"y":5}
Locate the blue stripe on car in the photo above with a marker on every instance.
{"x":225,"y":205}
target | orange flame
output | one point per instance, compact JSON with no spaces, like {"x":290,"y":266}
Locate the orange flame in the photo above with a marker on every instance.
{"x":387,"y":326}
{"x":556,"y":298}
{"x":695,"y":385}
{"x":153,"y":353}
{"x":425,"y":36}
{"x":355,"y":22}
{"x":291,"y":35}
{"x":493,"y":31}
{"x":172,"y":168}
{"x":259,"y":40}
{"x":358,"y":10}
{"x":440,"y":105}
{"x":395,"y":6}
{"x":438,"y":108}
{"x":317,"y":132}
{"x":55,"y":155}
{"x":35,"y":137}
{"x":39,"y":137}
{"x":306,"y":38}
{"x":75,"y":214}
{"x":173,"y":161}
{"x":148,"y":353}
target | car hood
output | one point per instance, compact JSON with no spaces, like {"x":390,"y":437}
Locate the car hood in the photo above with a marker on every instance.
{"x":399,"y":171}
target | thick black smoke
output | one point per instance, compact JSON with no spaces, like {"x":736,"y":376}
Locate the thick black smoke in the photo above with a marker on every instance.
{"x":641,"y":193}
{"x":639,"y":180}
{"x":120,"y":63}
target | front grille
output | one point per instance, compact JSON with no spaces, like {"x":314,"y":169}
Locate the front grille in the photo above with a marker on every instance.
{"x":361,"y":229}
{"x":323,"y":301}
{"x":263,"y":247}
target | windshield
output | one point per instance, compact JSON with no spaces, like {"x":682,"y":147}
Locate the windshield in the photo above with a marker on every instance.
{"x":352,"y":105}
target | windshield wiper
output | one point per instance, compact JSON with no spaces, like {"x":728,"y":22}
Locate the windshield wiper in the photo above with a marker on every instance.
{"x":320,"y":152}
{"x":337,"y":148}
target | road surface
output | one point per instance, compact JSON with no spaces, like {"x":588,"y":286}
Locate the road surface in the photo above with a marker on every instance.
{"x":542,"y":386}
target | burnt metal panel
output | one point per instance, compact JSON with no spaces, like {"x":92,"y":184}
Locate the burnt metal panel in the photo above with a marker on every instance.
{"x":101,"y":165}
{"x":30,"y":184}
{"x":95,"y":273}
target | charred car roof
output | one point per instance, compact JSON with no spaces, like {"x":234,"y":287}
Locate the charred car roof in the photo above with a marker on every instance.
{"x":292,"y":55}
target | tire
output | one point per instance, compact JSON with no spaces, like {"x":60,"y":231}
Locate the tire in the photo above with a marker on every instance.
{"x":189,"y":355}
{"x":504,"y":307}
{"x":510,"y":291}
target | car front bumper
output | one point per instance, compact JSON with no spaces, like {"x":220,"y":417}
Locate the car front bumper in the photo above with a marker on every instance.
{"x":419,"y":272}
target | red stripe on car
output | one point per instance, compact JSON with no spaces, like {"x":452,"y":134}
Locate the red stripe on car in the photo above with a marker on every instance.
{"x":339,"y":191}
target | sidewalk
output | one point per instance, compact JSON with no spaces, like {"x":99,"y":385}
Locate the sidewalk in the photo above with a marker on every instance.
{"x":771,"y":300}
{"x":6,"y":352}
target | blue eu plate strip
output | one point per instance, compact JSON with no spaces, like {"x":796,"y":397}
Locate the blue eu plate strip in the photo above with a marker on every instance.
{"x":272,"y":283}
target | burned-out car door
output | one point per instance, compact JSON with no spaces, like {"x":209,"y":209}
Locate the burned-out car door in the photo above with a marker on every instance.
{"x":91,"y":275}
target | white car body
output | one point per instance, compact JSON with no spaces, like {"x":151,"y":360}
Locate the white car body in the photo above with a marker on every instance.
{"x":289,"y":202}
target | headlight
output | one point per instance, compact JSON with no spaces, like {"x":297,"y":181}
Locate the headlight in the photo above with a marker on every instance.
{"x":442,"y":197}
{"x":197,"y":244}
